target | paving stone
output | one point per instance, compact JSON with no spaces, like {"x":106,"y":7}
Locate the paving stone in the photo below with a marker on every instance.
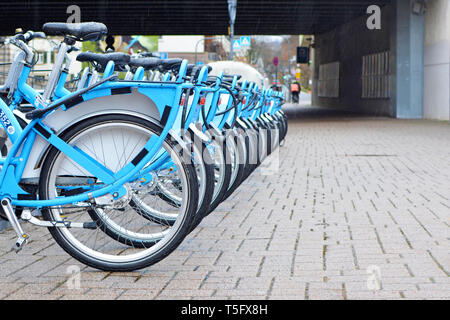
{"x":354,"y":200}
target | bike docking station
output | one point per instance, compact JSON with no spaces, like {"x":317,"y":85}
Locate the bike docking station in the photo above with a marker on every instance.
{"x":120,"y":171}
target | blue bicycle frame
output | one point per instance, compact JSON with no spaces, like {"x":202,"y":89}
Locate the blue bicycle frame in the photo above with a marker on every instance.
{"x":167,"y":95}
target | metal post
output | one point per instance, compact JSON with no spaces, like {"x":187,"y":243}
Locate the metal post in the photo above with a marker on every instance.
{"x":196,"y":45}
{"x":289,"y":58}
{"x":276,"y":75}
{"x":231,"y":41}
{"x":195,"y":55}
{"x":232,"y":4}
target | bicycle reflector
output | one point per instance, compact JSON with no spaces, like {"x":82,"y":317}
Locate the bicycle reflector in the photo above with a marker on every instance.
{"x":202,"y":101}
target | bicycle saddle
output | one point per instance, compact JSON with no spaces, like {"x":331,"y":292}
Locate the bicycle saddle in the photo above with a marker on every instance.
{"x":85,"y":31}
{"x":230,"y":77}
{"x":146,"y":54}
{"x":120,"y":59}
{"x":195,"y":72}
{"x":170,"y":64}
{"x":149,"y":63}
{"x":189,"y":69}
{"x":196,"y":68}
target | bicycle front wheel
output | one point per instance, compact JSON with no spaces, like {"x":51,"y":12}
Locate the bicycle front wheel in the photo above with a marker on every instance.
{"x":114,"y":140}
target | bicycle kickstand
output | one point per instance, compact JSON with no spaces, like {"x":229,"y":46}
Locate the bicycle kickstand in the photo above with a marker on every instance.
{"x":22,"y":237}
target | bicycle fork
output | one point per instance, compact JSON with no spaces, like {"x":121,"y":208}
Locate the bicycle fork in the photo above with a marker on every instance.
{"x":8,"y":211}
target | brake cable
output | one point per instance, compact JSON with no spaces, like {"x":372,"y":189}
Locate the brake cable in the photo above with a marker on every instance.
{"x":183,"y":112}
{"x":203,"y":110}
{"x":234,"y":105}
{"x":248,"y":108}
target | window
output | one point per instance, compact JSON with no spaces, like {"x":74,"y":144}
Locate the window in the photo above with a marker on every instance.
{"x":375,"y":76}
{"x":42,"y":58}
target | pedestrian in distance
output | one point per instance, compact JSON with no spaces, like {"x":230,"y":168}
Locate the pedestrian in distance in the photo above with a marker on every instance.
{"x":295,"y":91}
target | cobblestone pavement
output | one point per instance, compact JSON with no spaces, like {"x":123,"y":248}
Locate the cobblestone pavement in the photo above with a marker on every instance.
{"x":359,"y":209}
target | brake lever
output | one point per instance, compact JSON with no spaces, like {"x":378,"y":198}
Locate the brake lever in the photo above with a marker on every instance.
{"x":40,"y":35}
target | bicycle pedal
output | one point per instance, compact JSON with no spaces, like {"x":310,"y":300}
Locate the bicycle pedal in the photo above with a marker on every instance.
{"x":20,"y":243}
{"x":90,"y":225}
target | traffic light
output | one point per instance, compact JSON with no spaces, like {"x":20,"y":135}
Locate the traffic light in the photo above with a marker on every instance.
{"x":302,"y":55}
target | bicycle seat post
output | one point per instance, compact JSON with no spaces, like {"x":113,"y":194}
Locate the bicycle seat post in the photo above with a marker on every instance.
{"x":56,"y":71}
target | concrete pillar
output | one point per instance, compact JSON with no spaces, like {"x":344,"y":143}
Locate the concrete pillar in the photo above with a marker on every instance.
{"x":437,"y":60}
{"x":407,"y":49}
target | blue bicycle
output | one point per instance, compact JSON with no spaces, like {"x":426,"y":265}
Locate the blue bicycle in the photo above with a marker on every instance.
{"x":104,"y":65}
{"x":120,"y":171}
{"x":78,"y":163}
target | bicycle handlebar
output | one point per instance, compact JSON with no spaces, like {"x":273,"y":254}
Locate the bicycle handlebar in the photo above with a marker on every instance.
{"x":30,"y":35}
{"x":25,"y":37}
{"x":21,"y":40}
